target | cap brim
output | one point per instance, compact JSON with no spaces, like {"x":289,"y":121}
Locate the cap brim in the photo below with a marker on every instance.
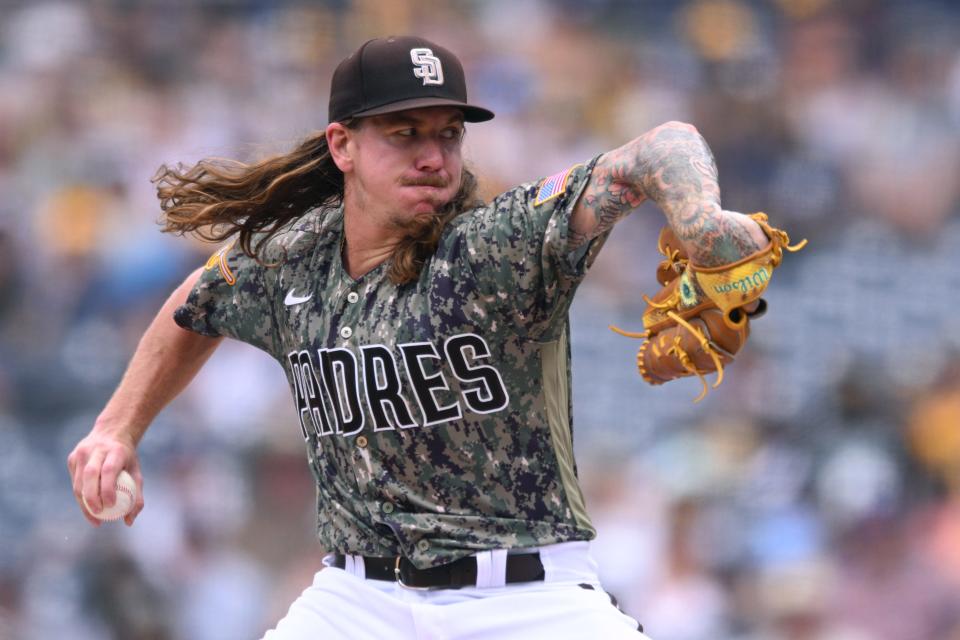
{"x":471,"y":113}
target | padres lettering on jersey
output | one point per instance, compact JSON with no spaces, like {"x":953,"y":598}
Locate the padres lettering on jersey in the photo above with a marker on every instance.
{"x":342,"y":378}
{"x":436,"y":414}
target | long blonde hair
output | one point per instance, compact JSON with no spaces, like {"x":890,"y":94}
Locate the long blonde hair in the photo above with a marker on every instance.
{"x":219,"y":198}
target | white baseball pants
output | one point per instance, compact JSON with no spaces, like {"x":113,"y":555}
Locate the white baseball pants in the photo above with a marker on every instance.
{"x":342,"y":604}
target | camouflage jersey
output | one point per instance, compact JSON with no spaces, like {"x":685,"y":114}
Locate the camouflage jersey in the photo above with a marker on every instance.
{"x":436,"y":414}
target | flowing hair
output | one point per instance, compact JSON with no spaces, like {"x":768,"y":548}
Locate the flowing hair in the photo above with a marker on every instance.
{"x":219,"y":198}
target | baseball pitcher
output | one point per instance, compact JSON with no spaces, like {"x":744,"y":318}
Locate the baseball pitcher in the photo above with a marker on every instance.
{"x":425,"y":338}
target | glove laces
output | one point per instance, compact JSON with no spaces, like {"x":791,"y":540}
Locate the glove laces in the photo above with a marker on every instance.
{"x":682,"y":356}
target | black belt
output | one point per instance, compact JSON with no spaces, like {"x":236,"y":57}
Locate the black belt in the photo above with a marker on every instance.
{"x":522,"y":567}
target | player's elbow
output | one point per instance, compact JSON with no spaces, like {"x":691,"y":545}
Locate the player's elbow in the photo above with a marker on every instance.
{"x":668,"y":134}
{"x":678,"y":126}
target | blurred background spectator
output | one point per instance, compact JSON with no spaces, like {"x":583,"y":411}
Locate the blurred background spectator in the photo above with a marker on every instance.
{"x":814,"y":496}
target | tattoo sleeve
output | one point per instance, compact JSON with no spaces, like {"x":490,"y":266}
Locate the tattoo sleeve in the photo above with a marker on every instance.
{"x":609,"y":196}
{"x":672,"y":166}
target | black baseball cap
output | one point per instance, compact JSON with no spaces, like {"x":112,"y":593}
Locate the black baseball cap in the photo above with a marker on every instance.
{"x":397,"y":73}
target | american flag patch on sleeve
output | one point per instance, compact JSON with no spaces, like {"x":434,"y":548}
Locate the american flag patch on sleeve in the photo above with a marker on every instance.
{"x":553,"y":186}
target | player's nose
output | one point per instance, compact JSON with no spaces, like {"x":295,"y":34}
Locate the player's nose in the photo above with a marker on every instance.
{"x":430,"y":155}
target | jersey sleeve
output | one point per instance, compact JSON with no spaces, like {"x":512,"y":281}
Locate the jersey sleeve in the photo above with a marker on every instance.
{"x":232,"y":298}
{"x":517,"y":247}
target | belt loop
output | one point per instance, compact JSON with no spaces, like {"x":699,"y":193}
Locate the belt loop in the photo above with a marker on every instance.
{"x":354,"y":565}
{"x":491,"y":568}
{"x":498,"y":567}
{"x":484,"y":568}
{"x":546,"y":558}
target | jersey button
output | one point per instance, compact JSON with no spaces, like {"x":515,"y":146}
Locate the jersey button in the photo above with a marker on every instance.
{"x":352,"y":297}
{"x":362,"y":441}
{"x":423,"y":545}
{"x":387,"y":507}
{"x":346,"y":332}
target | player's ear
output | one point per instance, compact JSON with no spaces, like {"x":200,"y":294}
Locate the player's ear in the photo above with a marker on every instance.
{"x":339,"y":141}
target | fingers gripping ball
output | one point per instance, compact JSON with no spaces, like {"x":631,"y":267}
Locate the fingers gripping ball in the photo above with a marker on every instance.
{"x":126,"y":499}
{"x":700,"y":319}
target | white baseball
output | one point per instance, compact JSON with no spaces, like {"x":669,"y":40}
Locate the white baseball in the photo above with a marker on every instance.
{"x":126,"y":498}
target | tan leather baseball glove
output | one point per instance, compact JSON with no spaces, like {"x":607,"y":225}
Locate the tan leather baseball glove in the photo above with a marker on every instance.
{"x":700,"y":319}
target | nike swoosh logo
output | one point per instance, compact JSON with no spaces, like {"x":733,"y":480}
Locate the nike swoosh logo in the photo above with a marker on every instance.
{"x":292,"y":299}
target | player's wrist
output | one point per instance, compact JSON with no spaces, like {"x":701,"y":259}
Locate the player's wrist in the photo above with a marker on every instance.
{"x":116,"y":429}
{"x":752,"y":228}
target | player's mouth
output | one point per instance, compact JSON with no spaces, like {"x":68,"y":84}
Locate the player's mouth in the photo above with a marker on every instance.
{"x":426,"y":190}
{"x":424,"y":193}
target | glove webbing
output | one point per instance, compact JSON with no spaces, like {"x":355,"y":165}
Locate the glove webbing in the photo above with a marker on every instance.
{"x":677,"y":351}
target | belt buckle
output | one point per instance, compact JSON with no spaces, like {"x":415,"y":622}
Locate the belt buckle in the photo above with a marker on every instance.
{"x":399,"y":576}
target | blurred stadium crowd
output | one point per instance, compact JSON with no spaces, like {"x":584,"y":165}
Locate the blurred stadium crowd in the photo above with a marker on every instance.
{"x":814,"y":496}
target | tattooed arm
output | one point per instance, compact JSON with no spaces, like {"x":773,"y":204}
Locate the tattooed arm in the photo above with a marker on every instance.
{"x":672,"y":166}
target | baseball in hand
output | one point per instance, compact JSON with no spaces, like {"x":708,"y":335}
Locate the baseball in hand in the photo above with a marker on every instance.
{"x":126,"y":498}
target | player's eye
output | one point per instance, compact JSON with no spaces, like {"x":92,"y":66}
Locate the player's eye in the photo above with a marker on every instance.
{"x":406,"y":133}
{"x":451,"y":133}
